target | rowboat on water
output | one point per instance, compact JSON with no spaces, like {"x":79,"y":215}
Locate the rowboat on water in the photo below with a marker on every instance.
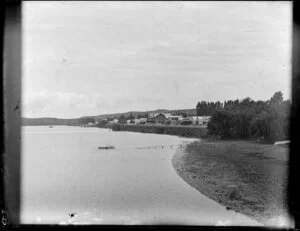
{"x":107,"y":147}
{"x":282,"y":142}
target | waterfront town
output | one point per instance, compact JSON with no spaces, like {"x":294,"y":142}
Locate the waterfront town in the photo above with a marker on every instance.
{"x":157,"y":119}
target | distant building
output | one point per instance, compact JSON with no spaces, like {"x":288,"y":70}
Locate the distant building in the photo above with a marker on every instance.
{"x":174,"y":119}
{"x":89,"y":124}
{"x":167,"y":115}
{"x":200,"y":120}
{"x":195,"y":120}
{"x":186,"y":120}
{"x":160,"y":118}
{"x":110,"y":122}
{"x":115,"y":121}
{"x":153,"y":115}
{"x":203,"y":120}
{"x":143,"y":120}
{"x":136,"y":121}
{"x":150,"y":120}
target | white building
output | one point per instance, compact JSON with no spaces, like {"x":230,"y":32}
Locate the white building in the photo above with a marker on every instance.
{"x":201,"y":120}
{"x":180,"y":118}
{"x":89,"y":124}
{"x":195,"y":119}
{"x":174,"y":117}
{"x":152,"y":115}
{"x":143,"y":120}
{"x":167,"y":115}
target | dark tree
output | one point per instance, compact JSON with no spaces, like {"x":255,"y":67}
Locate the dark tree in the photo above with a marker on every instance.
{"x":130,"y":117}
{"x":276,"y":98}
{"x":247,"y":118}
{"x":122,"y":119}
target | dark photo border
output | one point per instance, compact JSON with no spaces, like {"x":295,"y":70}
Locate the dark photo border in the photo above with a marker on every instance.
{"x":10,"y":144}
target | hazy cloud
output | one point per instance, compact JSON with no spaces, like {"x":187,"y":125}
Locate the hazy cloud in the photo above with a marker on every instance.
{"x":89,"y":58}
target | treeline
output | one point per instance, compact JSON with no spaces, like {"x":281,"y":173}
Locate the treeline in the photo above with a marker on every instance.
{"x":86,"y":120}
{"x":57,"y":122}
{"x":204,"y":108}
{"x":247,"y":118}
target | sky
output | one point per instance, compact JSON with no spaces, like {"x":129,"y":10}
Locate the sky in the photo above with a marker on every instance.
{"x":92,"y":58}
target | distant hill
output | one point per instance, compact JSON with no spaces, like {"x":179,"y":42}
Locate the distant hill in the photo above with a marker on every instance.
{"x":48,"y":121}
{"x":135,"y":113}
{"x":76,"y":121}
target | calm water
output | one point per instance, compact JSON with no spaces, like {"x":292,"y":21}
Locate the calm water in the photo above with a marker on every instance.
{"x":63,"y":173}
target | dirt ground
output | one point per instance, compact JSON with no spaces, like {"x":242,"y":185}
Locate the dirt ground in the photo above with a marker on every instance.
{"x":244,"y":176}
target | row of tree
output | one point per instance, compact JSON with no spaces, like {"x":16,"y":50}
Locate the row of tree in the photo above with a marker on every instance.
{"x":204,"y":108}
{"x":248,"y":118}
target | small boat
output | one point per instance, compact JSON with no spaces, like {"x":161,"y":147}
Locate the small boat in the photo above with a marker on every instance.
{"x":107,"y":147}
{"x":282,"y":142}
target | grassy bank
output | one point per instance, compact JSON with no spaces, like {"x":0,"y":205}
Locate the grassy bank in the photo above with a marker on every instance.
{"x":244,"y":176}
{"x":192,"y":132}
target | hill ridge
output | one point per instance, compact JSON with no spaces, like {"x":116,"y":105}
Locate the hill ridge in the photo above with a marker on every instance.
{"x":75,"y":121}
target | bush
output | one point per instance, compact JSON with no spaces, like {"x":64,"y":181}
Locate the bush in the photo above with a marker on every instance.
{"x":116,"y":127}
{"x":186,"y":123}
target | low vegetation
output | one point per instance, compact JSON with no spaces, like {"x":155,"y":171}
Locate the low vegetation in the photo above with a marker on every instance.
{"x":196,"y":132}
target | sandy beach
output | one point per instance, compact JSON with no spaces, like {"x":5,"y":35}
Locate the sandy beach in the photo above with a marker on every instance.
{"x":247,"y":177}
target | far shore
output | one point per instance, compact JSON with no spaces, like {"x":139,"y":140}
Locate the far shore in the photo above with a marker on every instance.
{"x":182,"y":131}
{"x":244,"y":176}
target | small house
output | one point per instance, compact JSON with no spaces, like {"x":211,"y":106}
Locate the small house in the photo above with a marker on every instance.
{"x":153,"y":115}
{"x":160,"y":118}
{"x":186,"y":121}
{"x":136,"y":121}
{"x":167,"y":115}
{"x":203,"y":120}
{"x":150,"y":120}
{"x":143,"y":120}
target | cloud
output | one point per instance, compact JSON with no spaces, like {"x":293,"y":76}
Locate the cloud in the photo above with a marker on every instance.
{"x":93,"y":58}
{"x":44,"y":102}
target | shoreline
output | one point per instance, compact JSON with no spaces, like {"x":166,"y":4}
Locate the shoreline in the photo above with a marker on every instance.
{"x":243,"y":176}
{"x":181,"y":131}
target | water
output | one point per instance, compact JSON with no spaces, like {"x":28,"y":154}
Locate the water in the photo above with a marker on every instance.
{"x":63,"y":172}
